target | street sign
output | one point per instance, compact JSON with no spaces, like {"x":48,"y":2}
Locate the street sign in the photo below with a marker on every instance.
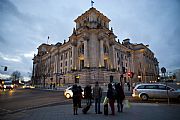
{"x":163,"y":70}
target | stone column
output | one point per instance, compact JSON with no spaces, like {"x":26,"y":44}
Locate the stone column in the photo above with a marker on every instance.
{"x":113,"y":58}
{"x":86,"y":62}
{"x":101,"y":53}
{"x":73,"y":57}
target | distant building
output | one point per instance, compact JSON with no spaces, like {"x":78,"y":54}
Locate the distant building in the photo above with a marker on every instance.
{"x":177,"y":74}
{"x":92,"y":54}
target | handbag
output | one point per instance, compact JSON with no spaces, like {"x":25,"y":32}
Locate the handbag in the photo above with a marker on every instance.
{"x":106,"y":100}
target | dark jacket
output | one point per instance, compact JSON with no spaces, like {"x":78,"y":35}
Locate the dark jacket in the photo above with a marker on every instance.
{"x":119,"y":92}
{"x":87,"y":92}
{"x":110,"y":92}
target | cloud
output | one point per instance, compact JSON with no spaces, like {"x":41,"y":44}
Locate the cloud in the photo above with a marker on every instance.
{"x":29,"y":55}
{"x":10,"y":58}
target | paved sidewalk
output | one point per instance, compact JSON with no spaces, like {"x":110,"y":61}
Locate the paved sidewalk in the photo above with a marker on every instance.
{"x":138,"y":111}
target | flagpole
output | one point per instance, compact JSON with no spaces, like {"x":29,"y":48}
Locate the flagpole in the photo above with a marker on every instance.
{"x":92,"y":2}
{"x":47,"y":39}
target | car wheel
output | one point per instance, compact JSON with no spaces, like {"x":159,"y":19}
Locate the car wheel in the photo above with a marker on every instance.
{"x":144,"y":97}
{"x":68,"y":95}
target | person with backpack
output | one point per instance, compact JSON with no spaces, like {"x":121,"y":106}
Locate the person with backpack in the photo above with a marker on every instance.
{"x":111,"y":97}
{"x":97,"y":94}
{"x":119,"y":97}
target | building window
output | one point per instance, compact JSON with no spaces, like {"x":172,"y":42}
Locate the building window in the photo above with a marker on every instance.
{"x":61,"y":57}
{"x":117,"y":55}
{"x":121,"y":56}
{"x":71,"y":62}
{"x":65,"y":70}
{"x":118,"y":61}
{"x":125,"y":57}
{"x":61,"y":64}
{"x":70,"y":54}
{"x":66,"y":63}
{"x":66,"y":54}
{"x":105,"y":64}
{"x":81,"y":64}
{"x":105,"y":49}
{"x":81,"y":49}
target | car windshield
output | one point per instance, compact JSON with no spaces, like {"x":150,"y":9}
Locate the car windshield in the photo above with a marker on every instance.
{"x":7,"y":83}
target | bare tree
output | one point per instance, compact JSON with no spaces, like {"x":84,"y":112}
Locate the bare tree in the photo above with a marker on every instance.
{"x":16,"y":75}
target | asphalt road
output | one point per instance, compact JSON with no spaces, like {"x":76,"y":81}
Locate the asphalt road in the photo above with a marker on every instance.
{"x":19,"y":99}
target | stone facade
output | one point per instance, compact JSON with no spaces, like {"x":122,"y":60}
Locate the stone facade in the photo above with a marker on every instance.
{"x":93,"y":54}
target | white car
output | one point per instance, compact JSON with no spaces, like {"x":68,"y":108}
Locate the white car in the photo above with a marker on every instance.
{"x":27,"y":86}
{"x":155,"y":90}
{"x":69,"y":94}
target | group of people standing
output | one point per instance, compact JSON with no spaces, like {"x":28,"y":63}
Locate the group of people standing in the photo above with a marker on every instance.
{"x":114,"y":92}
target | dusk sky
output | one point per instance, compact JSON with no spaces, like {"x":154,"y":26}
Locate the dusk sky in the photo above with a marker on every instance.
{"x":25,"y":24}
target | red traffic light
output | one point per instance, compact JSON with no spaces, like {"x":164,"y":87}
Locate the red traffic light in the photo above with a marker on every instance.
{"x":130,"y":74}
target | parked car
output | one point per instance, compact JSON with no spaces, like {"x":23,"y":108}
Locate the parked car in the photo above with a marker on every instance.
{"x":69,"y":94}
{"x":146,"y":91}
{"x":28,"y":86}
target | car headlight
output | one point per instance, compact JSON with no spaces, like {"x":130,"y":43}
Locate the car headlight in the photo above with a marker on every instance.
{"x":12,"y":86}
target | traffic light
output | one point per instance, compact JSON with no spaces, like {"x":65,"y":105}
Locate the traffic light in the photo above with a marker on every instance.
{"x":77,"y":79}
{"x":130,"y":74}
{"x":5,"y":68}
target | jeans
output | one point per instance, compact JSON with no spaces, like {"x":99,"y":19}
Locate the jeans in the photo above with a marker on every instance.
{"x":97,"y":105}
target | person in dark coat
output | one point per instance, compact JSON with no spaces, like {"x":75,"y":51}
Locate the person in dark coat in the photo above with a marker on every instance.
{"x":75,"y":98}
{"x":79,"y":96}
{"x":111,"y":97}
{"x":88,"y":94}
{"x":119,"y":97}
